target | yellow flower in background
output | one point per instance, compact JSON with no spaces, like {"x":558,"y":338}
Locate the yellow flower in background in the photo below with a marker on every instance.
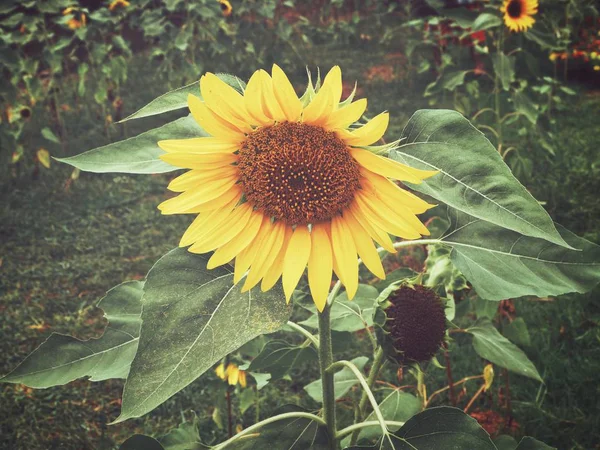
{"x":597,"y":68}
{"x":226,"y":7}
{"x":284,"y":184}
{"x":233,"y":374}
{"x":118,"y":4}
{"x":517,"y":14}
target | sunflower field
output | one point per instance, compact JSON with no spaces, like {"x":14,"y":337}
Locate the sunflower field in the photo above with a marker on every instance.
{"x":307,"y":225}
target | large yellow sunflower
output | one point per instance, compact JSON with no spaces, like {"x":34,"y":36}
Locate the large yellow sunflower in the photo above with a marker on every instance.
{"x":284,"y":183}
{"x":517,"y":14}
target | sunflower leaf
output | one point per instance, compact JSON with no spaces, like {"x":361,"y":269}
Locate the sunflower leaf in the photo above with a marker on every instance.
{"x":343,"y":381}
{"x":62,"y":359}
{"x":192,"y":318}
{"x":139,"y":154}
{"x":473,"y":177}
{"x":177,"y":98}
{"x":501,"y":263}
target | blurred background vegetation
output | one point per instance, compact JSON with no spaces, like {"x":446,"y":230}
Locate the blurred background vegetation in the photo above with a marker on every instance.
{"x":72,"y":69}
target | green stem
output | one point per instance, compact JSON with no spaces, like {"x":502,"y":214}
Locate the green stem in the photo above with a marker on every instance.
{"x":325,"y":361}
{"x":378,"y":362}
{"x":371,"y":423}
{"x":304,"y":332}
{"x":258,"y":425}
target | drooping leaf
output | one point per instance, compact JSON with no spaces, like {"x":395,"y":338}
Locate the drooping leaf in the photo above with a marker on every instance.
{"x":139,"y":154}
{"x":485,"y":21}
{"x":177,"y":98}
{"x":192,"y":317}
{"x":43,"y":157}
{"x":505,"y":442}
{"x":297,"y":433}
{"x":185,"y":437}
{"x":48,"y":134}
{"x":141,"y":442}
{"x":504,"y":66}
{"x":343,"y":380}
{"x":448,"y":81}
{"x":503,"y":264}
{"x":348,"y":315}
{"x":62,"y":359}
{"x":436,"y":428}
{"x":491,"y":345}
{"x":473,"y":177}
{"x":517,"y":332}
{"x":279,"y":357}
{"x":524,"y":105}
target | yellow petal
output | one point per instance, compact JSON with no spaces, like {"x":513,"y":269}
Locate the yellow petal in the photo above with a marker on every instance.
{"x":254,"y":102}
{"x":344,"y":117}
{"x":382,"y":221}
{"x":376,"y":233}
{"x":296,"y":258}
{"x":388,"y":167}
{"x":225,"y":100}
{"x":203,"y":223}
{"x":188,"y":161}
{"x":388,"y":189}
{"x":365,"y":247}
{"x":320,"y":265}
{"x":194,"y":178}
{"x":233,"y":248}
{"x":270,"y":102}
{"x":246,"y":257}
{"x":286,"y":95}
{"x":344,"y":253}
{"x":207,"y":144}
{"x":223,"y":231}
{"x":265,"y":257}
{"x":232,"y":195}
{"x":369,"y":133}
{"x":318,"y":110}
{"x":211,"y":122}
{"x":276,"y":269}
{"x":190,"y":199}
{"x":333,"y":83}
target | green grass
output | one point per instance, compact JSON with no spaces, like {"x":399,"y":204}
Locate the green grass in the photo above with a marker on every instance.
{"x":62,"y":249}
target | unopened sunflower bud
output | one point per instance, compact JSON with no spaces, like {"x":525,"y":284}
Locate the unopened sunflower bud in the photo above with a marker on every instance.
{"x":412,"y":324}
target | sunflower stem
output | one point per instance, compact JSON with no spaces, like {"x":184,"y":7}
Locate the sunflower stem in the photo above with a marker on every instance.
{"x":326,"y":360}
{"x":378,"y":362}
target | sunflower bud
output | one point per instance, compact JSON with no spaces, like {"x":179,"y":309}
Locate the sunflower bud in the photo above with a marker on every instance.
{"x":412,"y":324}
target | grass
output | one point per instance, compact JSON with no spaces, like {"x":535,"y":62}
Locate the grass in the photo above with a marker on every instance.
{"x":61,"y":249}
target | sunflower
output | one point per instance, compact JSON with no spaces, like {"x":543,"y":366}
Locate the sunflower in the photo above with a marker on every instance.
{"x":517,"y":14}
{"x":284,"y":183}
{"x":233,"y":374}
{"x":226,"y":7}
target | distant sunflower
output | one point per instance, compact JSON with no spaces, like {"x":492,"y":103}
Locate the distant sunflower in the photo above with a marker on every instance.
{"x":517,"y":14}
{"x":226,"y":7}
{"x":284,"y":183}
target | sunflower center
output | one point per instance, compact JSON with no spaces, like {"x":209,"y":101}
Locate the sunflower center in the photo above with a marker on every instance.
{"x":298,"y":173}
{"x":514,"y":9}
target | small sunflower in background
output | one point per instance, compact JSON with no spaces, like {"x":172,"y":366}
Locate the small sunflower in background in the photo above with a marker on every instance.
{"x":226,"y":7}
{"x":518,"y":14}
{"x":286,"y":183}
{"x":74,"y":22}
{"x":118,"y":4}
{"x":232,"y":374}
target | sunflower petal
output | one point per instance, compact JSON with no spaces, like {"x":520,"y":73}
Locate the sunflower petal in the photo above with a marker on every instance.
{"x":317,"y":111}
{"x":344,"y":253}
{"x":296,"y":258}
{"x":270,"y":102}
{"x":253,"y":100}
{"x":377,"y":234}
{"x":364,"y":246}
{"x":211,"y":122}
{"x":246,"y":257}
{"x":189,"y":199}
{"x":233,"y":195}
{"x":382,"y":221}
{"x":219,"y":96}
{"x":205,"y":161}
{"x":344,"y":117}
{"x":369,"y":133}
{"x":286,"y":95}
{"x":207,"y":144}
{"x":333,"y":83}
{"x":389,"y":168}
{"x":266,"y":256}
{"x":224,"y":231}
{"x":389,"y":190}
{"x":204,"y":222}
{"x":233,"y":248}
{"x":320,"y":265}
{"x":194,"y":178}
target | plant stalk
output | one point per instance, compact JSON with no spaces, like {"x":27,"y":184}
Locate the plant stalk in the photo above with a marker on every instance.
{"x":326,"y":360}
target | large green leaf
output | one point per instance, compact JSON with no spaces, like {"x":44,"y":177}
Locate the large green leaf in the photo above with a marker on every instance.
{"x":297,"y":433}
{"x":436,"y":428}
{"x":529,"y":443}
{"x":348,"y":315}
{"x":177,"y":98}
{"x":185,"y":437}
{"x":485,"y":21}
{"x":473,"y":177}
{"x":62,"y":359}
{"x":278,"y":357}
{"x":141,"y":442}
{"x":192,"y":317}
{"x":343,"y":381}
{"x":491,"y":345}
{"x":139,"y":154}
{"x":503,"y":264}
